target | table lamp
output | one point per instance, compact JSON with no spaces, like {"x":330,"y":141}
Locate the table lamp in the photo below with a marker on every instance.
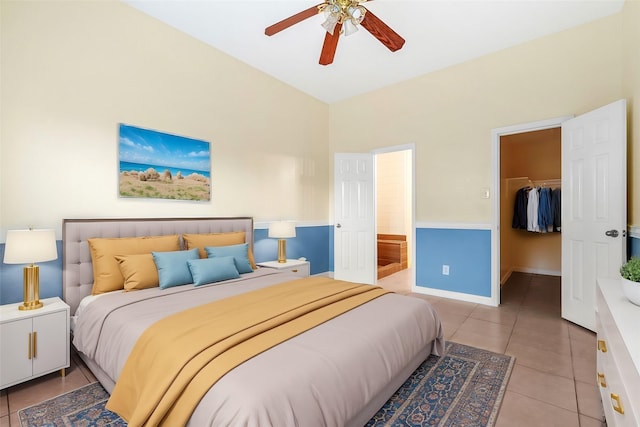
{"x":28,"y":247}
{"x":282,"y":230}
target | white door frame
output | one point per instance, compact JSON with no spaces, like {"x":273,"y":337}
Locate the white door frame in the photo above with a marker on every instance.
{"x":495,"y":172}
{"x":412,"y":148}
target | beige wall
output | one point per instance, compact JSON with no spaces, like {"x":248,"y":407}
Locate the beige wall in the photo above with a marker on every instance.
{"x":71,"y":71}
{"x":449,"y":114}
{"x":631,"y":87}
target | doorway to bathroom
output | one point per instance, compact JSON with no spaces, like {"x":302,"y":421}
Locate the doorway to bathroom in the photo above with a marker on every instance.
{"x":395,"y":215}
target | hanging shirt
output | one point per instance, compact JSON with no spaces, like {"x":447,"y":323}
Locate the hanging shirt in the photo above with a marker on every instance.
{"x":532,"y":211}
{"x":520,"y":209}
{"x":545,"y":216}
{"x":556,"y":208}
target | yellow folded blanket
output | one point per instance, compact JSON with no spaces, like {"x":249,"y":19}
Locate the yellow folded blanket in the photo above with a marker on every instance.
{"x":177,"y":359}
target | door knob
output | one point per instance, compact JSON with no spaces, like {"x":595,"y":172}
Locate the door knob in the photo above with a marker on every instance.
{"x":338,"y":226}
{"x":611,"y":233}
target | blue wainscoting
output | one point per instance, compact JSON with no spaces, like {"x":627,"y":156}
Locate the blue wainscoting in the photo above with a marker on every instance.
{"x":633,"y":249}
{"x":11,"y":278}
{"x":467,"y":252}
{"x":311,"y":242}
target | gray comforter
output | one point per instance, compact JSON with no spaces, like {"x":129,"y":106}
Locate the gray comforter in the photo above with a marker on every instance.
{"x":336,"y":374}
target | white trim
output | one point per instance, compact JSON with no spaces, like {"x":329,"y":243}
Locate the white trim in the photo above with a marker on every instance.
{"x":530,"y":127}
{"x":394,"y":148}
{"x":453,"y":295}
{"x":265,"y":224}
{"x":495,"y":177}
{"x":414,"y":239}
{"x":453,"y":225}
{"x":634,"y":231}
{"x":324,"y":273}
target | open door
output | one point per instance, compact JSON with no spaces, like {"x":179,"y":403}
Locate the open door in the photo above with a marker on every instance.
{"x":354,"y":216}
{"x":594,"y":206}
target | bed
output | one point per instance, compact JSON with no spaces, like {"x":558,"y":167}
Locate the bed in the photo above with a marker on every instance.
{"x":338,"y":373}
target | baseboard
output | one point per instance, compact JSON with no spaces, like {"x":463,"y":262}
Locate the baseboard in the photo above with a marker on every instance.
{"x":477,"y":299}
{"x":506,"y":276}
{"x":537,"y":271}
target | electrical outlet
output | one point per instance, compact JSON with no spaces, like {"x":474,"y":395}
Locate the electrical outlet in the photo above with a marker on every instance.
{"x":445,"y":269}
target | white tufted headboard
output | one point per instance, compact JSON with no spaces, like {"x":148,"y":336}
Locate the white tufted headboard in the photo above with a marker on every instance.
{"x":77,"y":270}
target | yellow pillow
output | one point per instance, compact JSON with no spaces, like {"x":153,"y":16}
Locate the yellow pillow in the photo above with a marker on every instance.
{"x":216,"y":239}
{"x":106,"y":273}
{"x":139,"y":271}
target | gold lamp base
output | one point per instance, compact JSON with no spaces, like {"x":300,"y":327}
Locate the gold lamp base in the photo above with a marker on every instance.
{"x":282,"y":250}
{"x":31,"y":288}
{"x":30,"y":305}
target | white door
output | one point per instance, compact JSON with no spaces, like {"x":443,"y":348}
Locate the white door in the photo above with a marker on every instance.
{"x":594,"y":206}
{"x":354,"y":245}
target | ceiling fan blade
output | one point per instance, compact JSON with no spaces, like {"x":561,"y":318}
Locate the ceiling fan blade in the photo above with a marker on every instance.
{"x":330,"y":45}
{"x":292,"y":20}
{"x":382,"y":31}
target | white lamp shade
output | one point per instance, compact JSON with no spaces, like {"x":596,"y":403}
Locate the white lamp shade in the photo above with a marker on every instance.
{"x":330,"y":23}
{"x":349,"y":27}
{"x":282,"y":229}
{"x":30,"y":246}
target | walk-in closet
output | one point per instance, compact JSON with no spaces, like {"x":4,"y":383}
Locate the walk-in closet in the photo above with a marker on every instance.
{"x":530,"y":160}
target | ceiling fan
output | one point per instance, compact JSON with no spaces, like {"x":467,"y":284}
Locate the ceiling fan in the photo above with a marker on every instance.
{"x":342,"y":16}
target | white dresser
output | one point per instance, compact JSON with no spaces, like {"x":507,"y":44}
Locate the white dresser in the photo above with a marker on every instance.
{"x":618,"y":376}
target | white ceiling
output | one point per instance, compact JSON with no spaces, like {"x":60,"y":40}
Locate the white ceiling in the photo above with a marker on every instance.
{"x":438,"y":34}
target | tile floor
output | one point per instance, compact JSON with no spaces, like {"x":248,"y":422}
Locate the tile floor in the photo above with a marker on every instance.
{"x":26,"y":394}
{"x":552,"y":383}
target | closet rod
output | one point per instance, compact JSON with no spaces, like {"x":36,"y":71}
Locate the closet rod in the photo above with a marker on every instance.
{"x":555,"y":182}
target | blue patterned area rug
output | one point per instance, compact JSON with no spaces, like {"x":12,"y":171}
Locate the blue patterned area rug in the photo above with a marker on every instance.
{"x":462,"y":388}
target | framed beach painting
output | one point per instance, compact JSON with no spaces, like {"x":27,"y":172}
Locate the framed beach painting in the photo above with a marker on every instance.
{"x":157,"y":165}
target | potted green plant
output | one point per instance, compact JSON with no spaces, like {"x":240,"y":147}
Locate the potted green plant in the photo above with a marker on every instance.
{"x":630,"y":272}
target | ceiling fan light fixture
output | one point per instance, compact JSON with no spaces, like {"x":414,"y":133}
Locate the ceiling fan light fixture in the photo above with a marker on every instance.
{"x":347,"y":12}
{"x":357,"y":13}
{"x":341,"y":17}
{"x":330,"y":23}
{"x":349,"y":27}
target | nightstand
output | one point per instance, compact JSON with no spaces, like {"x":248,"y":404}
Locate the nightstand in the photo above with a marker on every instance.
{"x":295,"y":266}
{"x":33,"y":342}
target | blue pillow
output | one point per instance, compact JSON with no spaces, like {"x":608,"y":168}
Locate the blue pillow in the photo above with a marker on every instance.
{"x":240,"y":254}
{"x":209,"y":270}
{"x":172,"y":267}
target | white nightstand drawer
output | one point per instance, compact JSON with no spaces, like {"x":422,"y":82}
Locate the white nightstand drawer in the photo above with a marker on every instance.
{"x":301,"y":270}
{"x":297,"y":267}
